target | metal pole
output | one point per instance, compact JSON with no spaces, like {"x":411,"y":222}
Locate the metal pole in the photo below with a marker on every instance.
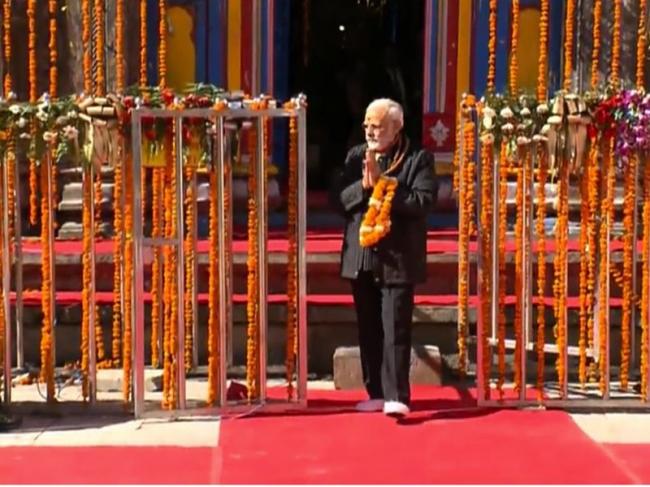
{"x":494,"y":316}
{"x":6,"y":279}
{"x":89,"y":179}
{"x":18,"y":277}
{"x":531,"y":238}
{"x":229,"y":277}
{"x":302,"y":256}
{"x":223,"y":303}
{"x":138,"y":268}
{"x":261,"y":255}
{"x":180,"y":265}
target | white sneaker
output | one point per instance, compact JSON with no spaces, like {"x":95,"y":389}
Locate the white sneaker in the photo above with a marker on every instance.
{"x":396,"y":408}
{"x":370,"y":406}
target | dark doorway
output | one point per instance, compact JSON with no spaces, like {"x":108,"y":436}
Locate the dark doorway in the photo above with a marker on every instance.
{"x":344,"y":54}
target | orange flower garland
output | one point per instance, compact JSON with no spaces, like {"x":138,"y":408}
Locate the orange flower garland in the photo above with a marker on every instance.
{"x":503,"y":221}
{"x":6,"y":35}
{"x":87,"y":194}
{"x":213,"y":294}
{"x":492,"y":46}
{"x":52,"y":46}
{"x":641,"y":41}
{"x":189,"y":245}
{"x":521,"y":205}
{"x":594,"y":201}
{"x":645,"y":281}
{"x":252,"y":306}
{"x":87,"y":43}
{"x":118,"y":258}
{"x":595,"y":51}
{"x":157,"y":189}
{"x":127,"y":354}
{"x":33,"y":96}
{"x":616,"y":44}
{"x":568,"y":43}
{"x":559,"y":285}
{"x":143,"y":43}
{"x":540,"y":230}
{"x":100,"y":74}
{"x":542,"y":66}
{"x":292,"y":256}
{"x":162,"y":46}
{"x":514,"y":40}
{"x":376,"y":222}
{"x":120,"y":81}
{"x":585,"y":251}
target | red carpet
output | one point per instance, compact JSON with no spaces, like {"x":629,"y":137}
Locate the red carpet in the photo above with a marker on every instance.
{"x":109,"y":465}
{"x":475,"y":446}
{"x":635,"y":459}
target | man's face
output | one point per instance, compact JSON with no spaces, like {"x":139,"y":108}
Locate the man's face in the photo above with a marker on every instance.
{"x":380,"y":130}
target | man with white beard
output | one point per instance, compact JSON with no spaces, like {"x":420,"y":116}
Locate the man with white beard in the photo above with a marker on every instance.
{"x":385,"y":259}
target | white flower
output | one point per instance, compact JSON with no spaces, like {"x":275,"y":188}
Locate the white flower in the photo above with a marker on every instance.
{"x":507,"y":113}
{"x":70,"y":132}
{"x":15,"y":109}
{"x":25,"y":135}
{"x":542,"y":108}
{"x":487,"y":122}
{"x":539,"y":138}
{"x":545,"y":129}
{"x":22,"y":122}
{"x":49,"y":136}
{"x":523,"y":140}
{"x":525,"y":112}
{"x":42,"y":116}
{"x":489,"y":112}
{"x":508,"y":127}
{"x":555,"y":120}
{"x":71,"y":114}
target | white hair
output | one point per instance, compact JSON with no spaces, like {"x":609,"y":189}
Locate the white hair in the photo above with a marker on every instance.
{"x":394,"y":110}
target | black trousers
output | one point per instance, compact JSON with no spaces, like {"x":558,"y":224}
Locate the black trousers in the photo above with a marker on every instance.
{"x":384,"y":316}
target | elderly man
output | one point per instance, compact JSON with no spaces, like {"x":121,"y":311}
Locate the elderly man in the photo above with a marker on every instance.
{"x":385,"y":190}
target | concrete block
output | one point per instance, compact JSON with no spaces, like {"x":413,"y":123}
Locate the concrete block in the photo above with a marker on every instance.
{"x":426,"y":367}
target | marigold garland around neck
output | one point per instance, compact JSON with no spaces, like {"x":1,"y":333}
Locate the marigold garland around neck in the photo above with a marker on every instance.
{"x":376,"y":222}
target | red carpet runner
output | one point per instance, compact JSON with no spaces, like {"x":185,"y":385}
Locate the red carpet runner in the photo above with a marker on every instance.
{"x":445,"y":440}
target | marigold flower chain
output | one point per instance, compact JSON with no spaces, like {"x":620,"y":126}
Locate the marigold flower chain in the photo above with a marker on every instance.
{"x":568,"y":43}
{"x":292,"y":257}
{"x":486,"y":244}
{"x":213,"y":294}
{"x":540,"y":230}
{"x":252,"y":306}
{"x":6,"y":35}
{"x":503,"y":221}
{"x":376,"y":222}
{"x":616,"y":44}
{"x":645,"y":280}
{"x":542,"y":69}
{"x":595,"y":50}
{"x":52,"y":10}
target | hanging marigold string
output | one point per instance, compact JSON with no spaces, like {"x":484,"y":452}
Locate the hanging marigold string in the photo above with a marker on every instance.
{"x":521,"y":206}
{"x":118,"y":236}
{"x":595,"y":50}
{"x":33,"y":95}
{"x":213,"y":293}
{"x":594,"y":202}
{"x":143,"y":43}
{"x":98,"y":45}
{"x":120,"y":75}
{"x":503,"y":222}
{"x":568,"y":44}
{"x":487,"y":149}
{"x":292,"y":256}
{"x":52,"y":47}
{"x":559,"y":285}
{"x":641,"y":41}
{"x":252,"y":306}
{"x":86,"y":40}
{"x":585,"y":252}
{"x":616,"y":44}
{"x":87,"y":284}
{"x":162,"y":43}
{"x":492,"y":46}
{"x":157,"y":190}
{"x":11,"y":182}
{"x":127,"y":354}
{"x":514,"y":42}
{"x":540,"y":230}
{"x":6,"y":36}
{"x":629,"y":210}
{"x":606,"y":210}
{"x":645,"y":280}
{"x":542,"y":66}
{"x":47,"y":286}
{"x":189,"y":245}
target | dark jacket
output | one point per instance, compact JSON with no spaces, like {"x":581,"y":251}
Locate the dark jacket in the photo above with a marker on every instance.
{"x":401,"y":255}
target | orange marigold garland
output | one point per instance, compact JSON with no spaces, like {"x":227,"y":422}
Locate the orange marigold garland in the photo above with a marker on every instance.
{"x":540,"y":230}
{"x":645,"y":280}
{"x":33,"y":96}
{"x":595,"y":51}
{"x":88,"y":235}
{"x":157,"y":191}
{"x":118,"y":236}
{"x":99,"y":41}
{"x":127,"y":354}
{"x":86,"y":40}
{"x":252,"y":307}
{"x":616,"y":44}
{"x":52,"y":46}
{"x":6,"y":34}
{"x":120,"y":81}
{"x":492,"y":46}
{"x":568,"y":43}
{"x":189,"y":245}
{"x":213,"y":293}
{"x":542,"y":67}
{"x":514,"y":41}
{"x":376,"y":222}
{"x":521,"y":205}
{"x":559,"y":285}
{"x":641,"y":44}
{"x":162,"y":46}
{"x":143,"y":43}
{"x":503,"y":222}
{"x":292,"y":256}
{"x":585,"y":251}
{"x":594,"y":177}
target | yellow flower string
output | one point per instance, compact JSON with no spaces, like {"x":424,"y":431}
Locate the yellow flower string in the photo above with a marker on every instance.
{"x":6,"y":34}
{"x":542,"y":65}
{"x":595,"y":50}
{"x":98,"y":45}
{"x":118,"y":258}
{"x":520,"y":205}
{"x":503,"y":221}
{"x":641,"y":41}
{"x":213,"y":294}
{"x":594,"y":202}
{"x":143,"y":43}
{"x":514,"y":41}
{"x":189,"y":245}
{"x":52,"y":47}
{"x":33,"y":95}
{"x":559,"y":285}
{"x":616,"y":44}
{"x":568,"y":43}
{"x":87,"y":46}
{"x":157,"y":191}
{"x":492,"y":46}
{"x":540,"y":230}
{"x":585,"y":251}
{"x":252,"y":306}
{"x":120,"y":75}
{"x":645,"y":280}
{"x":162,"y":46}
{"x":292,"y":256}
{"x":87,"y":195}
{"x":127,"y":355}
